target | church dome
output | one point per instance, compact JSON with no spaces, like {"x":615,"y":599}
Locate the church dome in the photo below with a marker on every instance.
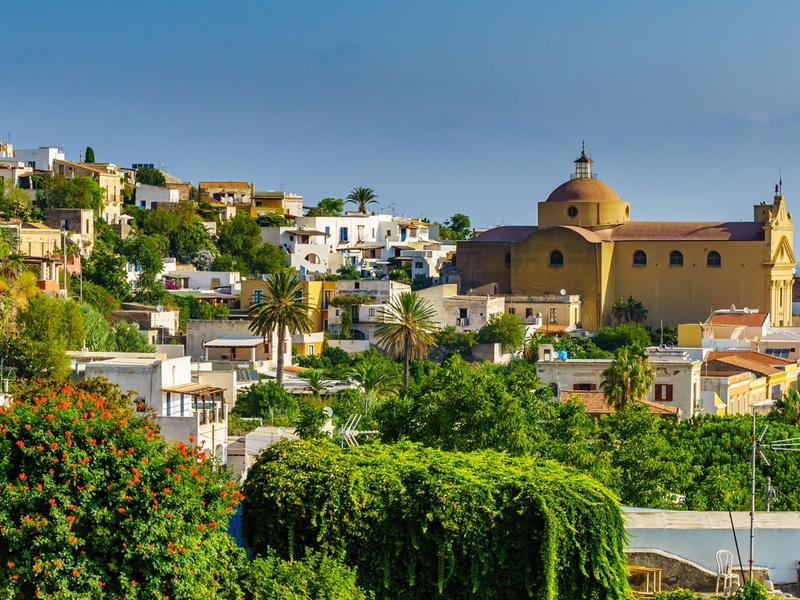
{"x":583,"y":190}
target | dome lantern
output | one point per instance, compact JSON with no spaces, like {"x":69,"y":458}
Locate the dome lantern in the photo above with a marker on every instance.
{"x":583,"y":166}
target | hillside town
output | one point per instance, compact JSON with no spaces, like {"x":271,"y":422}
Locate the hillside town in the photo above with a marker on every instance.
{"x":234,"y":319}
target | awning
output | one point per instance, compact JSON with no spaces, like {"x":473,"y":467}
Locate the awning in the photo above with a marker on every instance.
{"x":238,"y":341}
{"x":307,"y":232}
{"x":194,"y":389}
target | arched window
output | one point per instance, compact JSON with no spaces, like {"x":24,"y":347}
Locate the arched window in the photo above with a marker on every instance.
{"x":556,"y":258}
{"x":713,"y":259}
{"x":675,"y":259}
{"x":639,"y":258}
{"x":554,"y":388}
{"x":508,"y":259}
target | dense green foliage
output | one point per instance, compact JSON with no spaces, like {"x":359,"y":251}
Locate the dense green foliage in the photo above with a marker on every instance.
{"x":457,"y":227}
{"x":505,"y":329}
{"x":150,"y":176}
{"x":94,"y":503}
{"x":316,"y":576}
{"x":627,"y":334}
{"x":89,"y":155}
{"x":241,"y":249}
{"x":362,"y":197}
{"x":629,"y":311}
{"x":327,"y":207}
{"x":419,"y":523}
{"x":76,"y":192}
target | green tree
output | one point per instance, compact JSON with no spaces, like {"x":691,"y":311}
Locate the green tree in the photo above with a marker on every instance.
{"x":327,"y":207}
{"x":421,"y":282}
{"x":14,"y":202}
{"x":89,"y":155}
{"x":457,"y":227}
{"x":362,"y":197}
{"x":95,"y":504}
{"x":506,"y":329}
{"x":267,"y":400}
{"x":315,"y":380}
{"x":76,"y":192}
{"x":284,"y":309}
{"x":627,"y":334}
{"x":628,"y":378}
{"x":406,"y":328}
{"x":150,"y":176}
{"x":126,"y":337}
{"x":47,"y":327}
{"x":107,"y":270}
{"x":376,"y":377}
{"x":787,"y":407}
{"x":143,"y":252}
{"x":629,"y":311}
{"x":273,"y":219}
{"x":97,"y":328}
{"x":240,"y":238}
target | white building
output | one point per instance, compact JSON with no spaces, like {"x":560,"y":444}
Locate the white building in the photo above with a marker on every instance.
{"x":364,"y":316}
{"x":183,"y":410}
{"x":428,"y":261}
{"x":366,"y":241}
{"x":40,"y":158}
{"x":150,"y":196}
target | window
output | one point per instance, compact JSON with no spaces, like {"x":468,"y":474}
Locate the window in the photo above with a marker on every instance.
{"x":713,"y":259}
{"x":663,"y":392}
{"x":639,"y":258}
{"x":388,"y":233}
{"x":584,"y":387}
{"x":556,"y":258}
{"x":512,"y":311}
{"x":418,"y":265}
{"x":554,"y":315}
{"x":508,"y":259}
{"x":675,"y":259}
{"x":778,"y":352}
{"x":357,"y":285}
{"x":572,"y":211}
{"x":327,"y":298}
{"x":327,"y":229}
{"x":371,"y":312}
{"x":528,"y":313}
{"x":342,"y":234}
{"x":310,"y":350}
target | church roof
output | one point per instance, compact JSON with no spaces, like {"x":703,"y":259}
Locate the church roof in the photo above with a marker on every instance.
{"x":508,"y":233}
{"x":676,"y":231}
{"x":583,"y":190}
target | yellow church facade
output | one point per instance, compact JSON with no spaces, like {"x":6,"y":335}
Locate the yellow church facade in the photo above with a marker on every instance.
{"x":585,"y":243}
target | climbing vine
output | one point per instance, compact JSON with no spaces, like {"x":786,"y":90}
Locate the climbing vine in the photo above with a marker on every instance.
{"x":418,"y":522}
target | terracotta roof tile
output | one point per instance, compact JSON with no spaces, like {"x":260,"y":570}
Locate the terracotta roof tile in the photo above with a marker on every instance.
{"x":738,"y":319}
{"x":224,"y":184}
{"x":759,"y":357}
{"x":595,"y":403}
{"x":742,"y":364}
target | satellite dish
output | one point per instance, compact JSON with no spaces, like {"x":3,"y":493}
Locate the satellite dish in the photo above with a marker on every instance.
{"x":563,"y":292}
{"x":138,"y":185}
{"x":328,"y":411}
{"x":160,"y":308}
{"x":282,"y":431}
{"x":746,"y":310}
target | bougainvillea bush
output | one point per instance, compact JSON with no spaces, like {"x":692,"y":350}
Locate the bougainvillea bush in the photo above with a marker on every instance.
{"x":95,"y":504}
{"x":422,"y":523}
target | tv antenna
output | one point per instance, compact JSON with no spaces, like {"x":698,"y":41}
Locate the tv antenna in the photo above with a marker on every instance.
{"x":349,"y":431}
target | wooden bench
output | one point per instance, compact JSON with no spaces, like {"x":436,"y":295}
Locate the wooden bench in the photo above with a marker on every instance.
{"x":652,"y":580}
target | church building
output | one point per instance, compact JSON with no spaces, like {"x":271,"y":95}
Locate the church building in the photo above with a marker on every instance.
{"x":586,"y":244}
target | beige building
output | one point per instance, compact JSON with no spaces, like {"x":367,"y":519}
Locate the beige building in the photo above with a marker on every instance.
{"x":464,"y":312}
{"x":586,"y":244}
{"x":226,"y":192}
{"x":676,"y":384}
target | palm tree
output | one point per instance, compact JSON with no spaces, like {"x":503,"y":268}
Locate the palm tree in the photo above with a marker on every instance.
{"x":407,"y":328}
{"x":284,"y":308}
{"x":362,"y":197}
{"x":376,"y":378}
{"x":628,"y":378}
{"x":315,"y":380}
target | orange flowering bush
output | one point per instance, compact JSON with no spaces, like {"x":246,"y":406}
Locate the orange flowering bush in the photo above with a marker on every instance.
{"x":94,"y":504}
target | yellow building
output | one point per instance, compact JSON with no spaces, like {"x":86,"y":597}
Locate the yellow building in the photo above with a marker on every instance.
{"x":586,"y":244}
{"x":318,"y":294}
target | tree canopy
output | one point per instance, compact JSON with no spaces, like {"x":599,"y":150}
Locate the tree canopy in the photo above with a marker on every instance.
{"x":327,"y":207}
{"x":150,"y":176}
{"x":94,"y":503}
{"x":76,"y":192}
{"x":88,"y":155}
{"x":362,"y":197}
{"x":504,"y":328}
{"x":457,"y":227}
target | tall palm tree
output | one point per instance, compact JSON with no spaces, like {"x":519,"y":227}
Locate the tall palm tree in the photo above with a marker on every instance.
{"x":407,"y":328}
{"x":362,"y":196}
{"x":628,"y":378}
{"x":377,"y":378}
{"x":284,"y":308}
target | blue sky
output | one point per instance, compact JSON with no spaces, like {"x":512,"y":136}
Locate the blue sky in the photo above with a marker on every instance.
{"x":689,"y":109}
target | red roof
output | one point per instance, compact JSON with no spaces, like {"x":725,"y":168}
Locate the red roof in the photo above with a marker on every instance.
{"x":759,"y":357}
{"x":595,"y":404}
{"x":738,"y":319}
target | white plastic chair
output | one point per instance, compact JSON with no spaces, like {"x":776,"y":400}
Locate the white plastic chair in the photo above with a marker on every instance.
{"x":725,"y":571}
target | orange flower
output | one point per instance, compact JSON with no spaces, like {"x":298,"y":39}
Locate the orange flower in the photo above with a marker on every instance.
{"x":10,"y":564}
{"x":37,"y":568}
{"x":75,"y":572}
{"x":73,"y":539}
